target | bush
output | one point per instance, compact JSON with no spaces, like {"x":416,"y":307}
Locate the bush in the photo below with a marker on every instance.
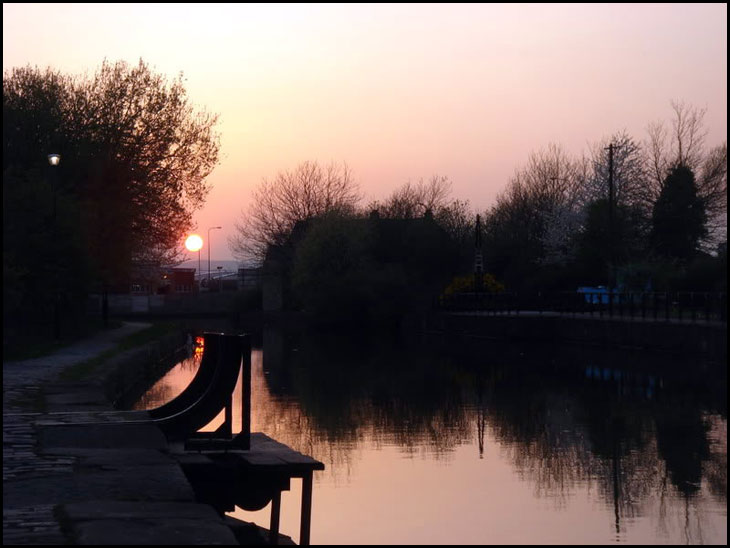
{"x":358,"y":268}
{"x":465,"y":284}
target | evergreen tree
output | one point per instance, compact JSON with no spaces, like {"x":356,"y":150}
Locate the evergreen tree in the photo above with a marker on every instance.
{"x":679,"y":218}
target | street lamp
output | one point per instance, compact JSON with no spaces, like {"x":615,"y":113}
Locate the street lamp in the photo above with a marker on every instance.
{"x":211,"y":228}
{"x":194,"y":243}
{"x":53,"y":160}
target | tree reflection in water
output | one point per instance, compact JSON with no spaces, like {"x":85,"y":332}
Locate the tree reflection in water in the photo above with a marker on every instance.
{"x":632,"y":434}
{"x":567,"y":419}
{"x":174,"y":382}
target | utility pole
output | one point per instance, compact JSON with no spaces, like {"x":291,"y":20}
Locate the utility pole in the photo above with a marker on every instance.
{"x":610,"y":217}
{"x":53,"y":161}
{"x":611,"y":147}
{"x":611,"y":244}
{"x":478,"y":263}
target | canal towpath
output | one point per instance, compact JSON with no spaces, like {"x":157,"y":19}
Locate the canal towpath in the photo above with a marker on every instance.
{"x":64,"y":483}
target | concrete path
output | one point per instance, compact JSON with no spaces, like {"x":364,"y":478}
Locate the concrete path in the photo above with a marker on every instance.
{"x":101,"y":484}
{"x":19,"y":374}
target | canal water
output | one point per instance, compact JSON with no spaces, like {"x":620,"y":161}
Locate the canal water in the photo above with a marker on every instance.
{"x":477,"y":442}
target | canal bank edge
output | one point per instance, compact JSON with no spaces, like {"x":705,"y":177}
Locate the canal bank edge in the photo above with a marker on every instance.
{"x":65,"y":484}
{"x":678,"y":338}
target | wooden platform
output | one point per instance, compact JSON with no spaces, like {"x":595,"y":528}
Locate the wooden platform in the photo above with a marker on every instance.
{"x":267,"y":453}
{"x":264,"y":471}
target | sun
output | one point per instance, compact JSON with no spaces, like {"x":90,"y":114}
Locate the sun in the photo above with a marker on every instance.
{"x":194,"y":242}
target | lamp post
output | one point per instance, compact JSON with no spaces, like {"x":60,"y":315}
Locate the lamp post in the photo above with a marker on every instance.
{"x":53,"y":160}
{"x":211,"y":228}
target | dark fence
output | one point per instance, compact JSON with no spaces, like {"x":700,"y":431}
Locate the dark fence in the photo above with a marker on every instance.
{"x":689,"y":306}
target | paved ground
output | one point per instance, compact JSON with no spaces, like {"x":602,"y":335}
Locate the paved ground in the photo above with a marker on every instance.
{"x":20,"y":375}
{"x":68,"y":483}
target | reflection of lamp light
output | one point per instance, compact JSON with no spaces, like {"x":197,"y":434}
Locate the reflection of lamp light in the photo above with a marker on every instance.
{"x":195,"y":243}
{"x":54,"y":160}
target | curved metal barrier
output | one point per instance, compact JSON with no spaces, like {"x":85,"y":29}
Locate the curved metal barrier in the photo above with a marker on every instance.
{"x":197,"y":387}
{"x":210,"y":392}
{"x":199,"y":406}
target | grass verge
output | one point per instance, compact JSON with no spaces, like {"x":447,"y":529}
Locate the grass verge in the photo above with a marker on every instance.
{"x":36,"y":343}
{"x":84,"y":369}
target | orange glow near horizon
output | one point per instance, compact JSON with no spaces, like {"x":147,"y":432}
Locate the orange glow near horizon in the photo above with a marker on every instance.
{"x":398,"y":91}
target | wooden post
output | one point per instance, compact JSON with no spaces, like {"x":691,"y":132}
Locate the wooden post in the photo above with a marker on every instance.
{"x":228,"y":421}
{"x":275,"y":513}
{"x":679,"y":306}
{"x":306,"y":509}
{"x":246,"y":399}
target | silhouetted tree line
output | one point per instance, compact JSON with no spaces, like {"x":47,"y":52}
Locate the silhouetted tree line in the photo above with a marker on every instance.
{"x":337,"y":259}
{"x":553,"y":227}
{"x":134,"y":159}
{"x":666,"y":228}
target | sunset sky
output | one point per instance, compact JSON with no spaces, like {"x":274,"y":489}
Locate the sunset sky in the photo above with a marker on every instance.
{"x":398,"y":92}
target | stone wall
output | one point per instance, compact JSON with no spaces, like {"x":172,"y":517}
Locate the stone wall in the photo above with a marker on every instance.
{"x":135,"y":369}
{"x":687,"y":338}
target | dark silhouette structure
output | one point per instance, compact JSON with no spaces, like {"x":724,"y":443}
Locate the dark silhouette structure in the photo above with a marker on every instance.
{"x":210,"y":391}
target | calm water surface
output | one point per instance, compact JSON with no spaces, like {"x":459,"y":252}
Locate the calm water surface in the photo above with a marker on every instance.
{"x":478,"y":443}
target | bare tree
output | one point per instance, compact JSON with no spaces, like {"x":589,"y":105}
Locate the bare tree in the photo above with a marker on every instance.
{"x":413,"y":200}
{"x":656,"y":159}
{"x":542,"y":205}
{"x":306,"y":192}
{"x":688,"y":134}
{"x":684,"y":144}
{"x":457,"y":218}
{"x":712,"y":188}
{"x":629,"y":172}
{"x":430,"y":197}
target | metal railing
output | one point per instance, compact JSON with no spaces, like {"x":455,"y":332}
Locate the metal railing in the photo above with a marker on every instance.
{"x":683,"y":306}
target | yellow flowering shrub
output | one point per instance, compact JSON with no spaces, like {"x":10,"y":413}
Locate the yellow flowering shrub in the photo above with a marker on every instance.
{"x":465,"y":284}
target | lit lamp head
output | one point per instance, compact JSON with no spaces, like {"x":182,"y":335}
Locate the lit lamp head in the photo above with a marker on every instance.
{"x":54,"y":159}
{"x":194,"y":242}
